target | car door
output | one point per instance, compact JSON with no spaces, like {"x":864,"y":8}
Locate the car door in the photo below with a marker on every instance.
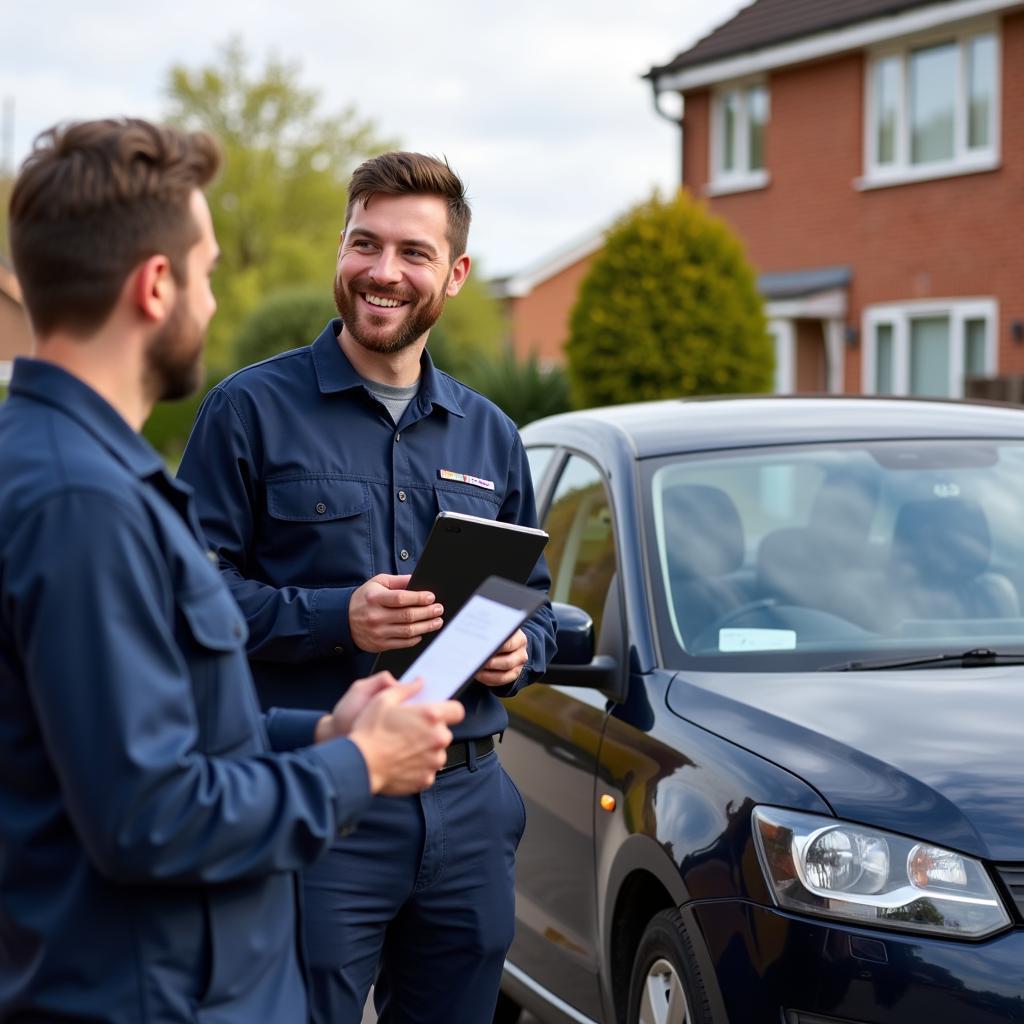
{"x":551,"y":750}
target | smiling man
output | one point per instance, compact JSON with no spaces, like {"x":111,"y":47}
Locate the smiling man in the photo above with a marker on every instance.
{"x":318,"y":475}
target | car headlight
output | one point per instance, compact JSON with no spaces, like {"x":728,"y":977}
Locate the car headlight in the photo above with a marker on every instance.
{"x":831,"y":868}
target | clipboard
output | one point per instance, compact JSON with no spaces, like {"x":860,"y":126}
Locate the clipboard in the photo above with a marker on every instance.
{"x":461,"y":552}
{"x":491,"y":614}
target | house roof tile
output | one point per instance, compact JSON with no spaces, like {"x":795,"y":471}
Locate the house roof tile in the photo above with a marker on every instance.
{"x":769,"y":22}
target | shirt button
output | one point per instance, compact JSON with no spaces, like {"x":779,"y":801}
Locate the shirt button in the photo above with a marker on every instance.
{"x":212,"y":556}
{"x":403,"y":554}
{"x":401,"y":495}
{"x":339,"y":649}
{"x":321,"y":508}
{"x":398,"y":437}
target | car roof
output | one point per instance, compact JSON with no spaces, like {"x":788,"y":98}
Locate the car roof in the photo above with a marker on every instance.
{"x":706,"y":424}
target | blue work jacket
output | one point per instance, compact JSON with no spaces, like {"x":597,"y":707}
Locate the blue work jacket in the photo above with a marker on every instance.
{"x":148,"y":835}
{"x":306,"y":489}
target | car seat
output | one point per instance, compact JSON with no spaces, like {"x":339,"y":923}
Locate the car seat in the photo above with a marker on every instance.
{"x":704,"y":547}
{"x":941,"y":549}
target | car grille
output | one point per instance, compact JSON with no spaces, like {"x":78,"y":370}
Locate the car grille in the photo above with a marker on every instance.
{"x":1012,"y":876}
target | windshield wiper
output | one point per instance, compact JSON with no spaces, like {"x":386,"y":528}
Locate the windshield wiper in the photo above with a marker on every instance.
{"x":977,"y":657}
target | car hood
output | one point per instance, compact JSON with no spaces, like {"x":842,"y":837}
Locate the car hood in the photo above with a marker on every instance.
{"x":937,"y":755}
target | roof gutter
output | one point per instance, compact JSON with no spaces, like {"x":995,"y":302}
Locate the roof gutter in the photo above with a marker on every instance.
{"x":679,"y":122}
{"x":826,"y":44}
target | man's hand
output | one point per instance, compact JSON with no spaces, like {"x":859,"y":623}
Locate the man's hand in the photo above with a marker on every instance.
{"x":506,"y":663}
{"x":383,"y":615}
{"x":404,"y":745}
{"x":340,"y":721}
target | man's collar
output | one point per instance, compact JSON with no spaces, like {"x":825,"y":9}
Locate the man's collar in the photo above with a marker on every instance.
{"x":50,"y":384}
{"x":335,"y":373}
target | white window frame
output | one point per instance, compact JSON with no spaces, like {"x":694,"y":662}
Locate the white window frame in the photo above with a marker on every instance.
{"x":899,"y":316}
{"x":964,"y":160}
{"x":783,"y":334}
{"x":742,"y":178}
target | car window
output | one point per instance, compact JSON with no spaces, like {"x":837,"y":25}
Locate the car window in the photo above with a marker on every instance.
{"x":862,"y":549}
{"x":581,"y":551}
{"x":539,"y":460}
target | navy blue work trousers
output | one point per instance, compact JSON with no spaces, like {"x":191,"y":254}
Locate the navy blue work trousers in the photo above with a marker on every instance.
{"x":419,"y":900}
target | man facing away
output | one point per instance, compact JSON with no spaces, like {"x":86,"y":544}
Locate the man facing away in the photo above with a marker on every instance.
{"x":149,"y":834}
{"x":318,"y":474}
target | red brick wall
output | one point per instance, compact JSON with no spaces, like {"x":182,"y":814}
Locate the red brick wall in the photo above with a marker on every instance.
{"x":957,"y":236}
{"x":15,"y":336}
{"x":539,"y":322}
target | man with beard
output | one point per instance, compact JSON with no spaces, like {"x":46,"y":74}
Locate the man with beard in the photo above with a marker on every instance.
{"x":149,"y":833}
{"x":318,"y":474}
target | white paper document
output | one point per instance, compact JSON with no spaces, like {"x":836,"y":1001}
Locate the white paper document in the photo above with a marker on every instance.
{"x":464,"y":644}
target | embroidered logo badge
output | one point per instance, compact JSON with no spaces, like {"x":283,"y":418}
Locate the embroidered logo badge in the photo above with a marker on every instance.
{"x":465,"y":478}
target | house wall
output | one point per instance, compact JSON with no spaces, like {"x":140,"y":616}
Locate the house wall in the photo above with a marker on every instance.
{"x":947,"y":238}
{"x":539,"y":322}
{"x":15,"y":337}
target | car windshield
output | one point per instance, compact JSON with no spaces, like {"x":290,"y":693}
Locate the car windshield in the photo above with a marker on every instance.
{"x":806,"y":557}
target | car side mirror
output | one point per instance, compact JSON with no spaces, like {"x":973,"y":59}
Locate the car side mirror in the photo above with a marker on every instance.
{"x":575,"y":663}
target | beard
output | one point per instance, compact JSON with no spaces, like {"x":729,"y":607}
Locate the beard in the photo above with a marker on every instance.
{"x":174,"y":359}
{"x":373,"y":332}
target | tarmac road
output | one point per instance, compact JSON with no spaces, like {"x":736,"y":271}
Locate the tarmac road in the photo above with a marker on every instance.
{"x":369,"y":1017}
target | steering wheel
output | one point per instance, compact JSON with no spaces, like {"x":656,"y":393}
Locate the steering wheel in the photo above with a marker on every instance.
{"x":708,"y":636}
{"x":733,"y":614}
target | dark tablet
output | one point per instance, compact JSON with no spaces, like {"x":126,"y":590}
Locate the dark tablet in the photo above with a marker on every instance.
{"x":492,"y":613}
{"x":460,"y":553}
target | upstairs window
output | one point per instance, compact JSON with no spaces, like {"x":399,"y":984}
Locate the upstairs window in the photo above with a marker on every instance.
{"x":932,"y":109}
{"x":739,"y":122}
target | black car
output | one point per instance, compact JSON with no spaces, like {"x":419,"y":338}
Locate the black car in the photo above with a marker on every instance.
{"x":776,"y":774}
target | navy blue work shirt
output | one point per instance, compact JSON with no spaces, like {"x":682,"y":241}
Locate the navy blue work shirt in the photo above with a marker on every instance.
{"x":306,"y":489}
{"x":148,"y":835}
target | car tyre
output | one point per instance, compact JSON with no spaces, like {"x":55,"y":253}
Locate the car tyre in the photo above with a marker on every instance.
{"x":666,"y":986}
{"x":507,"y":1011}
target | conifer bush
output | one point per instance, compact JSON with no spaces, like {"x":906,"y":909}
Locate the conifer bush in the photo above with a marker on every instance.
{"x":669,"y":308}
{"x":290,"y":318}
{"x":522,"y":389}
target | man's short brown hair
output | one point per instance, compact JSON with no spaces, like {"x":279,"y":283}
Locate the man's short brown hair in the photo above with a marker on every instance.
{"x":414,"y":174}
{"x":91,"y":202}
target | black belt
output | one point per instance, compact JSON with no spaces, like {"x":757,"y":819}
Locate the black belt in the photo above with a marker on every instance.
{"x":459,"y":751}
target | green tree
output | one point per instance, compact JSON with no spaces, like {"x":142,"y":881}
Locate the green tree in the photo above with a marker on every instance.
{"x":279,"y":201}
{"x":669,"y":307}
{"x":6,"y":184}
{"x":284,"y":320}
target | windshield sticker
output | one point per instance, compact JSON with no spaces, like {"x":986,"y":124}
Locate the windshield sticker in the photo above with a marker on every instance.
{"x":757,"y":639}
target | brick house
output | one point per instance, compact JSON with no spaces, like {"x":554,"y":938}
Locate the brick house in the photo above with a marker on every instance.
{"x":538,"y":300}
{"x":15,"y":336}
{"x":870,"y":153}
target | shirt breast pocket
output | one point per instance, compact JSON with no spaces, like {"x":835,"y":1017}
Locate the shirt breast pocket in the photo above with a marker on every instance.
{"x":319,"y":531}
{"x":468,"y":500}
{"x":213,"y":640}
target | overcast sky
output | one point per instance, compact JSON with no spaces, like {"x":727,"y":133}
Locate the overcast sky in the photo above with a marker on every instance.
{"x":539,"y":105}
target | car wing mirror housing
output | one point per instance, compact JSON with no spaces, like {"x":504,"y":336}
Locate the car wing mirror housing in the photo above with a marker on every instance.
{"x":575,"y":663}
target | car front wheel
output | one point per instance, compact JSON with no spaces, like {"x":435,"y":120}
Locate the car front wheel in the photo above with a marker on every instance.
{"x":665,"y":986}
